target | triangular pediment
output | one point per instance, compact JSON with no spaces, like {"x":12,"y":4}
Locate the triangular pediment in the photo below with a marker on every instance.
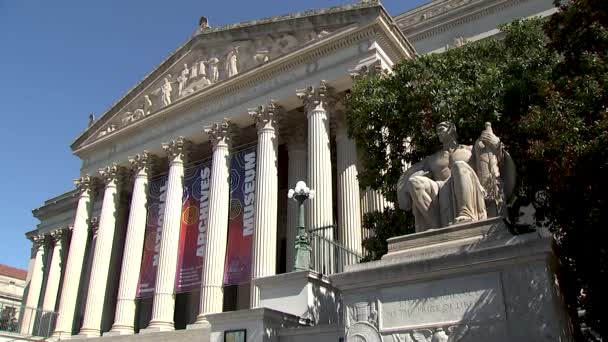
{"x":214,"y":55}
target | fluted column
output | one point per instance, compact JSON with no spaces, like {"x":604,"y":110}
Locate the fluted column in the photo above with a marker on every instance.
{"x":163,"y":307}
{"x":317,"y":102}
{"x":35,"y":284}
{"x":75,"y":261}
{"x":349,"y":205}
{"x":264,"y":258}
{"x":296,"y":171}
{"x":212,"y":291}
{"x":98,"y":283}
{"x":124,"y":320}
{"x":52,"y":283}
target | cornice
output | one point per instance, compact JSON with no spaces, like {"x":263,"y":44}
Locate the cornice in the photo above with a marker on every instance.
{"x":435,"y":18}
{"x":395,"y":43}
{"x":159,"y":71}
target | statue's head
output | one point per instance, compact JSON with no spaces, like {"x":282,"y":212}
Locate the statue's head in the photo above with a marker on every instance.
{"x":446,"y":131}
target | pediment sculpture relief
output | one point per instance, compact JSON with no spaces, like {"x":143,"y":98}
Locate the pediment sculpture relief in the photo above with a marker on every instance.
{"x":459,"y":183}
{"x":205,"y":66}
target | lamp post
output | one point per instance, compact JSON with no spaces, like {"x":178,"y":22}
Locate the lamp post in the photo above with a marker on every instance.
{"x":300,"y":194}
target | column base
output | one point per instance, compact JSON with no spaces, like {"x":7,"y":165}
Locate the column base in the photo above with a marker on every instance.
{"x":155,"y":327}
{"x":201,"y":323}
{"x":61,"y":335}
{"x":119,"y":331}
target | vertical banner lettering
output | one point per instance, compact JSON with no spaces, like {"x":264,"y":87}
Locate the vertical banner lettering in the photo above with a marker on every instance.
{"x":157,"y":194}
{"x":193,"y":232}
{"x":237,"y":269}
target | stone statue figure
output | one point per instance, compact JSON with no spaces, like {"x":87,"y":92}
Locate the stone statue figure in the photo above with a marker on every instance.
{"x":166,"y":92}
{"x":459,"y":183}
{"x":231,"y":63}
{"x":147,"y":104}
{"x":214,"y":73}
{"x":182,"y":79}
{"x":194,"y":71}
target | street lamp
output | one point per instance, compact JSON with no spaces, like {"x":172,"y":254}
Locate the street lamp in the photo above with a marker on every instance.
{"x":303,"y":250}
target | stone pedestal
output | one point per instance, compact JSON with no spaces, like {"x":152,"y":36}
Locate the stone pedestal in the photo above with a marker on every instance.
{"x":260,"y":324}
{"x":306,"y":294}
{"x":468,"y":282}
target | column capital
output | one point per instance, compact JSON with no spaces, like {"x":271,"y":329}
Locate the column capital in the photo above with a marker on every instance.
{"x":84,"y":184}
{"x":141,"y":161}
{"x":58,"y":234}
{"x":176,"y":149}
{"x":111,"y":174}
{"x":37,"y":241}
{"x":220,"y":134}
{"x":94,"y":225}
{"x":339,"y":124}
{"x":313,"y":97}
{"x":266,"y":117}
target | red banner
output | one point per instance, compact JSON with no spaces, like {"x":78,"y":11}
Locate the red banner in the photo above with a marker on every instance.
{"x":193,"y":231}
{"x":157,"y":193}
{"x":237,"y":269}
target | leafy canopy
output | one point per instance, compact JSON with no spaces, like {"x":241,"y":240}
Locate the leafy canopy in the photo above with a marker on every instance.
{"x":544,"y":87}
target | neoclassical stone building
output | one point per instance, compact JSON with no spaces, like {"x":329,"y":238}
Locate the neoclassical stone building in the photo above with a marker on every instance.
{"x":242,"y":110}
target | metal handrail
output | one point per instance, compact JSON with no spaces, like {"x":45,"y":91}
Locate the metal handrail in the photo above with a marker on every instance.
{"x":26,"y":320}
{"x":328,"y":255}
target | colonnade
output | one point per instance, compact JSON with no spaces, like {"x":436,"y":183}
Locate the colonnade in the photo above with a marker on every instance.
{"x":309,"y":159}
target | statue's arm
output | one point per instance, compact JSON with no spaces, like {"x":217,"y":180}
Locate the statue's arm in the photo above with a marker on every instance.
{"x":403,"y":185}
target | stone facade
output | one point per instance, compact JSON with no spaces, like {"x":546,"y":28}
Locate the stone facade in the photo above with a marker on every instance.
{"x":275,"y":83}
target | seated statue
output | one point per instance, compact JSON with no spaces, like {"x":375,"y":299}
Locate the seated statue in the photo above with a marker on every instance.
{"x":459,"y":183}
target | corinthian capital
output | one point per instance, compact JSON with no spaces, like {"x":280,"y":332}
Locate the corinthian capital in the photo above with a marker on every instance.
{"x":312,"y":97}
{"x":110,"y":174}
{"x":141,"y":161}
{"x":58,"y":234}
{"x":219,"y":133}
{"x":94,"y":225}
{"x":84,"y":183}
{"x":175,"y":148}
{"x":266,"y":117}
{"x":37,"y":241}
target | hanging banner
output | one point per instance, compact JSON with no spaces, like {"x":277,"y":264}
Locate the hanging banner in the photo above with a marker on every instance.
{"x":193,"y":232}
{"x":157,"y":194}
{"x":237,"y":269}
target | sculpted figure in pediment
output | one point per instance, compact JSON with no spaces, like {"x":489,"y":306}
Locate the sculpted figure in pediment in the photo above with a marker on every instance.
{"x":458,"y":183}
{"x":127,"y":118}
{"x":182,"y":79}
{"x":194,"y":72}
{"x":214,"y":73}
{"x":166,"y":90}
{"x":147,"y":105}
{"x":231,"y":62}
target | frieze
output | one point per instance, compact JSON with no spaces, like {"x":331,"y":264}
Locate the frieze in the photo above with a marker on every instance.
{"x":206,"y":66}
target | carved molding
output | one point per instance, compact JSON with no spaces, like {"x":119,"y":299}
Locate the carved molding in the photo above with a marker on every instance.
{"x":84,"y":184}
{"x":220,"y":134}
{"x":216,"y":95}
{"x":58,"y":234}
{"x":141,"y":161}
{"x":175,"y":148}
{"x":111,"y":174}
{"x":266,"y":116}
{"x":312,"y":96}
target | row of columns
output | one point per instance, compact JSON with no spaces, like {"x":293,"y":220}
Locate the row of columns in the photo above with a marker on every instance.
{"x":308,"y":158}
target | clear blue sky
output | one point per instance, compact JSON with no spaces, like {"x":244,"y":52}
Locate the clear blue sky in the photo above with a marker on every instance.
{"x":61,"y":60}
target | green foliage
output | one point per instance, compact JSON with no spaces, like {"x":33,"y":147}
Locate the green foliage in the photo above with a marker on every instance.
{"x":383,"y":225}
{"x":544,"y":87}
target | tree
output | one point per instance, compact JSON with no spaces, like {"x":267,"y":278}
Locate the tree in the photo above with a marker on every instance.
{"x":546,"y":94}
